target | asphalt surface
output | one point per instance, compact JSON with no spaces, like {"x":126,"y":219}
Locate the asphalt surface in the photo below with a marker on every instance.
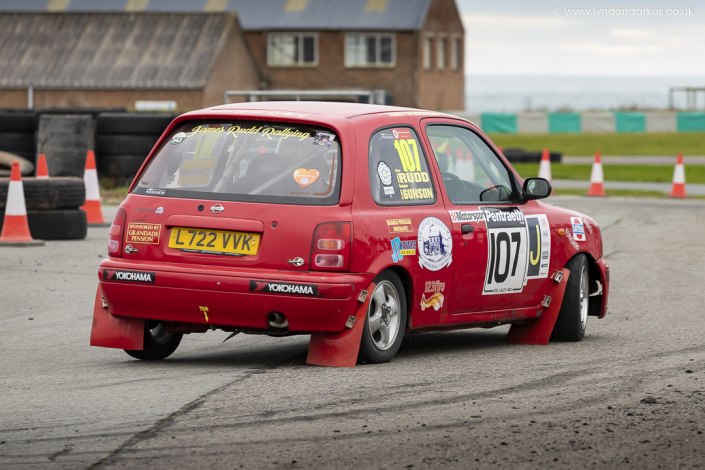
{"x":630,"y":395}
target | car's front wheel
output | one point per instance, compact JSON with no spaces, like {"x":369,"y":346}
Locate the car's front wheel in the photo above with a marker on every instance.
{"x":158,"y":343}
{"x":572,"y":318}
{"x":385,"y":320}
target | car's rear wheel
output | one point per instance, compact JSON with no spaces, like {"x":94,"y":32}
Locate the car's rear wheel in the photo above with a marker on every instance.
{"x":158,"y":343}
{"x":385,"y":320}
{"x":572,"y":318}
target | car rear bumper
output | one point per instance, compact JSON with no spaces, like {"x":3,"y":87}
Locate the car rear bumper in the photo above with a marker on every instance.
{"x":238,"y":298}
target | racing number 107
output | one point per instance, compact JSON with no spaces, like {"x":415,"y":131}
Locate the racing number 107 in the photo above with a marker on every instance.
{"x":500,"y":244}
{"x":408,"y":161}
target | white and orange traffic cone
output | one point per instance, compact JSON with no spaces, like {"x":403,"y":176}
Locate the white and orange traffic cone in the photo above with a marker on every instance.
{"x":42,"y":170}
{"x":15,"y":228}
{"x":597,"y":179}
{"x":679,"y":179}
{"x":92,"y":206}
{"x":545,"y":165}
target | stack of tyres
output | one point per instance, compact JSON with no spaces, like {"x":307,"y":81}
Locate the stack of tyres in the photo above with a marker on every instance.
{"x":123,"y":141}
{"x":519,"y":155}
{"x":18,"y":133}
{"x":52,"y":207}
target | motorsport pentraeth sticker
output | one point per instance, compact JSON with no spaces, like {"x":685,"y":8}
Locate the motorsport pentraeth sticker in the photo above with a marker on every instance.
{"x":435,"y":244}
{"x":506,"y":250}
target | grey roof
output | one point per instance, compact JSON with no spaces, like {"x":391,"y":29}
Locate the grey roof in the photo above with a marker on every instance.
{"x":109,"y":50}
{"x":395,"y":15}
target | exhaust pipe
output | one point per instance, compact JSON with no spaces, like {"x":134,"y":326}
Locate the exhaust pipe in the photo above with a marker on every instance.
{"x":277,"y":320}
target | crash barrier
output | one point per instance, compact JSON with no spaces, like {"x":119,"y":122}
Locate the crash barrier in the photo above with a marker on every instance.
{"x":519,"y":155}
{"x":121,"y":140}
{"x":586,"y":122}
{"x":51,"y":206}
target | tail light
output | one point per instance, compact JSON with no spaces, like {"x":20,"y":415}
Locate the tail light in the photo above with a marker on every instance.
{"x":117,"y":231}
{"x":330,"y":248}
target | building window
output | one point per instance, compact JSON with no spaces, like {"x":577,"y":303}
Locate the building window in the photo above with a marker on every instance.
{"x":427,"y":48}
{"x":370,"y":50}
{"x":293,"y":50}
{"x":455,"y":54}
{"x":441,"y":56}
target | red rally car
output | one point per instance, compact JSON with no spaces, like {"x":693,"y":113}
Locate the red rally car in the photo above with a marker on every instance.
{"x":354,"y":223}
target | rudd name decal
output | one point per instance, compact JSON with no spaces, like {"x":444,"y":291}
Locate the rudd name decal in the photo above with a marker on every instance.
{"x":283,"y":288}
{"x":129,"y":276}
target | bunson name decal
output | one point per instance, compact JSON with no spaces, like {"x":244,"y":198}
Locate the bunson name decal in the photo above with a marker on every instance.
{"x":283,"y":288}
{"x":129,"y":276}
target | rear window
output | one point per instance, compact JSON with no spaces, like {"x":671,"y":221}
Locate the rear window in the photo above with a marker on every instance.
{"x":250,"y":161}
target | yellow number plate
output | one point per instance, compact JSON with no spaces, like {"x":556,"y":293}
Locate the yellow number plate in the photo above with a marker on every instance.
{"x":214,"y":241}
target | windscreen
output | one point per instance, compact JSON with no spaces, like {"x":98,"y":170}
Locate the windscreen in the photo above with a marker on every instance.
{"x":249,"y":161}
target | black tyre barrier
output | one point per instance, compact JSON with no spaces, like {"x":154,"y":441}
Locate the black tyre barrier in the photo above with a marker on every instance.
{"x":518,"y":155}
{"x":133,"y":124}
{"x":17,"y":141}
{"x":51,"y":193}
{"x":18,"y":122}
{"x":67,"y":224}
{"x":125,"y":144}
{"x":120,"y":166}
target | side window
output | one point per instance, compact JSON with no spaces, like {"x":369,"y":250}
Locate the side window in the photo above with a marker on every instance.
{"x":472,"y":173}
{"x":399,"y":173}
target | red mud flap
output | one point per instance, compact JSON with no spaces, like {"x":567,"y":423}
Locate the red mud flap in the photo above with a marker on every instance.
{"x":110,"y":331}
{"x":539,"y":332}
{"x":340,"y":349}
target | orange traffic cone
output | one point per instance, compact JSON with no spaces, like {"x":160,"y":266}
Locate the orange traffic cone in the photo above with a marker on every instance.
{"x":15,"y":228}
{"x":42,"y":171}
{"x":597,"y":180}
{"x":90,"y":179}
{"x":545,"y":165}
{"x":679,"y":179}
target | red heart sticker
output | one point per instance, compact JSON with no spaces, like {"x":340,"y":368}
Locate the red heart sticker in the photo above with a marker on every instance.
{"x":305,"y":177}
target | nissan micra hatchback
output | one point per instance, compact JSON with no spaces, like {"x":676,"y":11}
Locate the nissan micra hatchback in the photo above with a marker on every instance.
{"x":354,"y":223}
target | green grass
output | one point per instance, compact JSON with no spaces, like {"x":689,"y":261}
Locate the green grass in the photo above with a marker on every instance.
{"x":687,"y":143}
{"x":645,"y":173}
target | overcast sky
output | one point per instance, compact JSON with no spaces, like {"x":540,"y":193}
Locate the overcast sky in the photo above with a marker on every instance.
{"x":538,"y":37}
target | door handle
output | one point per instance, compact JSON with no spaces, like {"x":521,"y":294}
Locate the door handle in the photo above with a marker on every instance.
{"x":466,"y":228}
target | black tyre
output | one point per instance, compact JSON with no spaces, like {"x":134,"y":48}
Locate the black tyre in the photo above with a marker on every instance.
{"x":18,"y":122}
{"x":572,"y":318}
{"x":68,"y":224}
{"x":132,"y":124}
{"x":385,"y":321}
{"x":125,"y":144}
{"x":14,"y":142}
{"x":158,"y":343}
{"x":120,"y":165}
{"x":51,"y":193}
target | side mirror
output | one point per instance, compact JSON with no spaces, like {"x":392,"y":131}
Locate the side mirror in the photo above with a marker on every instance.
{"x":537,"y":188}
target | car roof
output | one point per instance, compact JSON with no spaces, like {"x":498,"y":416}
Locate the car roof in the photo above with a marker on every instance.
{"x":344,"y":110}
